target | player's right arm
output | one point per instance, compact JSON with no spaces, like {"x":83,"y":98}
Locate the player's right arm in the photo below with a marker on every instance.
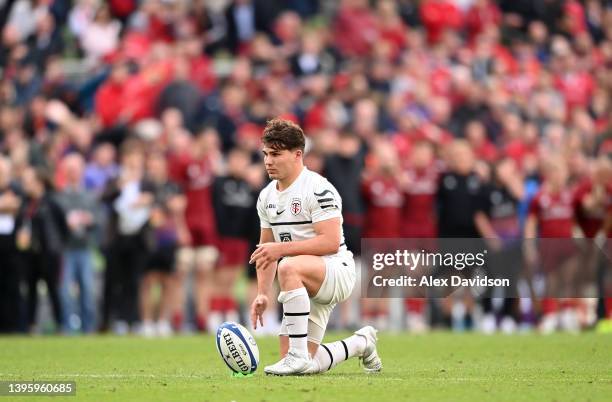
{"x":265,"y":271}
{"x":265,"y":277}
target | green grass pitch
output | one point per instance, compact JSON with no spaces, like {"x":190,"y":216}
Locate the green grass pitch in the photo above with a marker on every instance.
{"x":433,"y":367}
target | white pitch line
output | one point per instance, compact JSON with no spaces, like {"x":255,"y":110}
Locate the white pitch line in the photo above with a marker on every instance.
{"x":382,"y":377}
{"x":121,"y":376}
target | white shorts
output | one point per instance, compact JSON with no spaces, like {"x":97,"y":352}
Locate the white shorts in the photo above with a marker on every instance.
{"x":336,"y":287}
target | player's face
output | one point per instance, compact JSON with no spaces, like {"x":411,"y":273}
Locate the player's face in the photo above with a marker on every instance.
{"x":280,"y":163}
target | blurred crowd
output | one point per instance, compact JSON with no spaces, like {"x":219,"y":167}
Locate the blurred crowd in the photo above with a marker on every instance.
{"x":130,"y":146}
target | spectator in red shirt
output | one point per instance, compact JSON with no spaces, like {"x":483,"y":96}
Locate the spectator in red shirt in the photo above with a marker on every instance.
{"x":593,"y":208}
{"x":524,"y":146}
{"x":194,"y":173}
{"x":593,"y":199}
{"x":109,"y":100}
{"x":419,"y":186}
{"x":143,"y":89}
{"x":438,"y":16}
{"x":202,"y":71}
{"x":383,"y":219}
{"x":355,"y":28}
{"x":481,"y":14}
{"x":476,"y":134}
{"x":551,"y":218}
{"x":574,"y":17}
{"x":419,"y":221}
{"x":577,"y":86}
{"x":382,"y":193}
{"x":391,"y":29}
{"x":550,"y":213}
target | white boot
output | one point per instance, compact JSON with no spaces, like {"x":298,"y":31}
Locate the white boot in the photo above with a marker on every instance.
{"x":296,"y":362}
{"x":370,"y":359}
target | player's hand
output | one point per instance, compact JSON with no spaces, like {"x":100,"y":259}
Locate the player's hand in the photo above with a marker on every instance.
{"x":257,"y":309}
{"x":266,"y":253}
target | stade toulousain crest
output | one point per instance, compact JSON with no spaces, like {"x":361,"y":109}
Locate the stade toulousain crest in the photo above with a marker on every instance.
{"x":296,"y":206}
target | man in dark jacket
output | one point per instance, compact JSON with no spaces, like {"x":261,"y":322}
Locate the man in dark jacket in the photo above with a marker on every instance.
{"x":10,"y":274}
{"x":246,"y":17}
{"x":40,"y":238}
{"x":343,"y":170}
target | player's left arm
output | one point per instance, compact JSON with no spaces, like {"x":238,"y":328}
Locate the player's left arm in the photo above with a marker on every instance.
{"x":326,"y":242}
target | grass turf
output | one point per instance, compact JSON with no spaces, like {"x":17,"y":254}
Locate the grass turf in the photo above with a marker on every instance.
{"x":433,"y":367}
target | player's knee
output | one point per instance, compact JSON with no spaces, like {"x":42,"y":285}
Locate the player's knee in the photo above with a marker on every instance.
{"x":286,"y":269}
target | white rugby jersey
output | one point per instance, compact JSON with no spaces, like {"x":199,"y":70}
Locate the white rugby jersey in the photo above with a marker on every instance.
{"x":292,"y":212}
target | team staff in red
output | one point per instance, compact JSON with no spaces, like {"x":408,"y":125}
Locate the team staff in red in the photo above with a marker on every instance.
{"x":194,"y":172}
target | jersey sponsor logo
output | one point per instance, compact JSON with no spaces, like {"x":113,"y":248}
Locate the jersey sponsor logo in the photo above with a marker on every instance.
{"x":271,"y":206}
{"x":285,"y":236}
{"x":296,"y":206}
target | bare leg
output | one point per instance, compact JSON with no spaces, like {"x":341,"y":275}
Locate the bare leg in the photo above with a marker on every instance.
{"x":225,"y":280}
{"x":202,"y":294}
{"x":206,"y":259}
{"x":184,"y":263}
{"x":146,"y":301}
{"x":166,"y":301}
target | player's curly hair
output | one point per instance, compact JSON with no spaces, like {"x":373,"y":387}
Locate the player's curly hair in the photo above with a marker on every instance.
{"x":282,"y":134}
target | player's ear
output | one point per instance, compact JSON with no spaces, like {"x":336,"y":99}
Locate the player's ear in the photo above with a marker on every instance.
{"x":299,"y":153}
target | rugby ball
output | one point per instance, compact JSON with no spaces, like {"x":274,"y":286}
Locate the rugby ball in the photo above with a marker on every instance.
{"x":237,"y":348}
